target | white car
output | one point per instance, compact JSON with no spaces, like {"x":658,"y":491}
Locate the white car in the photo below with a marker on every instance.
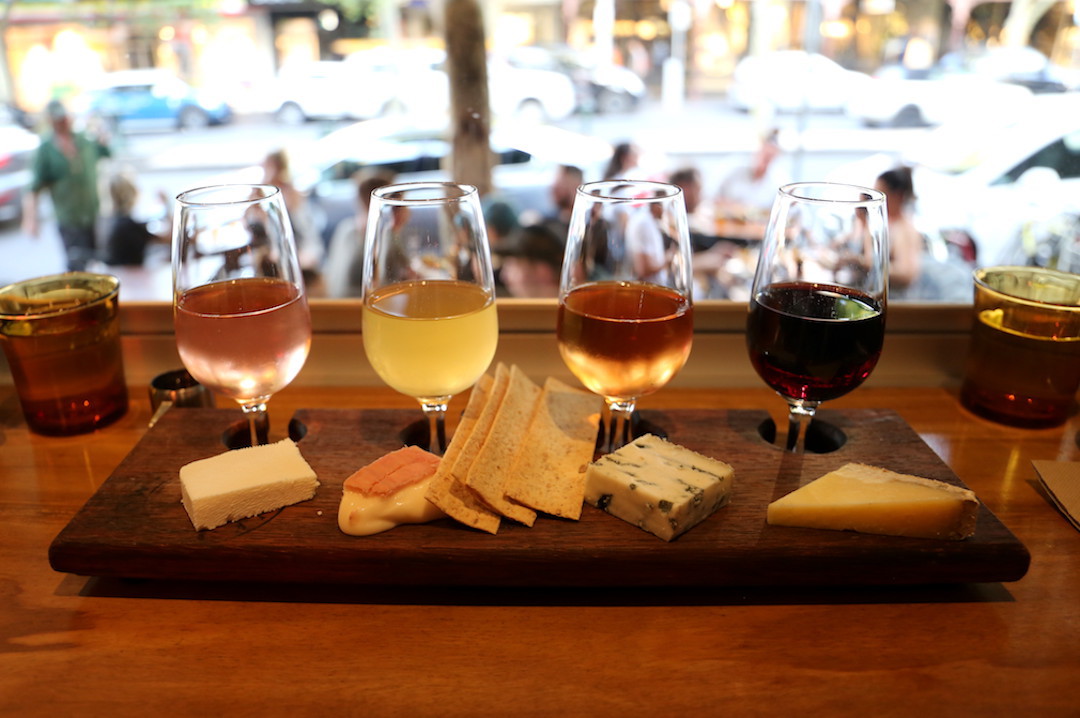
{"x":384,"y":81}
{"x":333,"y":90}
{"x":793,"y":80}
{"x":897,"y":98}
{"x":994,"y":179}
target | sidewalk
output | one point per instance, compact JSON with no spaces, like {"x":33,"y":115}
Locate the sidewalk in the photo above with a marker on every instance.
{"x":23,"y":256}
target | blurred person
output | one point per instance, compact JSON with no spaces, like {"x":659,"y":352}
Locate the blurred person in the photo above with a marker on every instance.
{"x":309,"y":244}
{"x":344,"y":265}
{"x":500,"y":219}
{"x":700,"y":219}
{"x":66,"y":165}
{"x":127,"y":238}
{"x":748,"y":191}
{"x":563,"y":192}
{"x":914,"y":273}
{"x":624,"y":162}
{"x":905,"y":241}
{"x":712,"y":255}
{"x":532,"y":263}
{"x":647,"y":245}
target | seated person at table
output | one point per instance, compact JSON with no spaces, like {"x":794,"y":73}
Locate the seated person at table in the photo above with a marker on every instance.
{"x":563,"y":191}
{"x":532,"y":263}
{"x":344,"y":264}
{"x":914,"y":273}
{"x":747,"y":193}
{"x":699,"y":218}
{"x":127,"y":238}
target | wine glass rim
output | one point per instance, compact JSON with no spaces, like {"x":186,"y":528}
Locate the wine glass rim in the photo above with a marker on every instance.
{"x":832,"y":193}
{"x":442,"y":192}
{"x":220,"y":195}
{"x":641,"y":190}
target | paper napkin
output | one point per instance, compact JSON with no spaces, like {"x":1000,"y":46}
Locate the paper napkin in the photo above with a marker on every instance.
{"x":1061,"y":479}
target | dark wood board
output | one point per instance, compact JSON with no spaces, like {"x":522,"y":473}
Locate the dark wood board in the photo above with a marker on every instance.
{"x":134,"y":526}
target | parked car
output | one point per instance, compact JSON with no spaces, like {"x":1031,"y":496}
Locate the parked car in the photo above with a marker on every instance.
{"x":1024,"y":66}
{"x":329,"y":90}
{"x":969,"y":83}
{"x":384,"y":81}
{"x":367,"y":84}
{"x":897,"y":97}
{"x":416,"y":148}
{"x":994,"y":178}
{"x":150,"y":99}
{"x":605,"y":88}
{"x":793,"y":80}
{"x":17,"y":148}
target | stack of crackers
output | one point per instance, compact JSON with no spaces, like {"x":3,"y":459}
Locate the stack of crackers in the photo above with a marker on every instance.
{"x":519,"y":449}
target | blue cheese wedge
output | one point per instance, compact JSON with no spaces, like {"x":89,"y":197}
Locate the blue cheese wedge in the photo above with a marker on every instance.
{"x":658,"y":486}
{"x":245,"y":482}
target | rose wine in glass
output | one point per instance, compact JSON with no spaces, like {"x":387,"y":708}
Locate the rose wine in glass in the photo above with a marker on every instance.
{"x":242,"y":322}
{"x":816,"y":322}
{"x":625,"y":321}
{"x":429,"y":320}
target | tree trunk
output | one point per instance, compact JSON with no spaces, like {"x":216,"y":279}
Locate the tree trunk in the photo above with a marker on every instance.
{"x":7,"y":82}
{"x":470,"y":111}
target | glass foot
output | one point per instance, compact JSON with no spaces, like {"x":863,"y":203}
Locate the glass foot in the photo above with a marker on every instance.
{"x":821,"y":436}
{"x":238,"y":435}
{"x":639,"y":426}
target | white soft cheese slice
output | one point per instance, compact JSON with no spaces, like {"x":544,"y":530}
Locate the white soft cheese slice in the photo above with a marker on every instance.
{"x":869,"y":499}
{"x":361,"y":515}
{"x":245,"y":482}
{"x":658,"y":486}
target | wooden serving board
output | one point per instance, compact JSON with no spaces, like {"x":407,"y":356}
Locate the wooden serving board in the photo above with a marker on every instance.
{"x":135,"y":526}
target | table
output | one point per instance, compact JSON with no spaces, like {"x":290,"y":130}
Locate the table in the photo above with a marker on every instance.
{"x":93,"y":647}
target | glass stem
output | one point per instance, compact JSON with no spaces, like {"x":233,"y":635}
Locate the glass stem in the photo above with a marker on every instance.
{"x":435,"y":411}
{"x":800,"y":414}
{"x":620,"y":412}
{"x":254,"y":414}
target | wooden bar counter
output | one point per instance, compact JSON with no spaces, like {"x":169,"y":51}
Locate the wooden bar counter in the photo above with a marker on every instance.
{"x":80,"y":646}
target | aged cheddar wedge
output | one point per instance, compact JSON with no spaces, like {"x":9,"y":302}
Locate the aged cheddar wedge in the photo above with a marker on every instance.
{"x":658,"y":486}
{"x":869,"y":499}
{"x":245,"y":482}
{"x":389,"y":492}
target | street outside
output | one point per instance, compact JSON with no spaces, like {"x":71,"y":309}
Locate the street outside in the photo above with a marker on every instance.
{"x":705,"y":134}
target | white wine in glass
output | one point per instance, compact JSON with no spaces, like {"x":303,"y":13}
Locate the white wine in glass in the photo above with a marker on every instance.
{"x":626,"y":316}
{"x":241,"y":316}
{"x":430,"y":325}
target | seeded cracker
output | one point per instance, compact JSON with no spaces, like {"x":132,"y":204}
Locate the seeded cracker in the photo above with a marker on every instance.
{"x":490,"y":470}
{"x":549,"y":472}
{"x":455,"y":498}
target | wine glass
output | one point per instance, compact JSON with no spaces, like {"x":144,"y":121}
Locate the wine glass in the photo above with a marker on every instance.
{"x":626,"y":320}
{"x":243,"y":327}
{"x":429,"y":321}
{"x":817,"y":304}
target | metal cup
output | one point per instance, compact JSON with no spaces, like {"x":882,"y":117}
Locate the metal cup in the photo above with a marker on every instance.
{"x":177,"y":388}
{"x":1023,"y":365}
{"x":61,"y":337}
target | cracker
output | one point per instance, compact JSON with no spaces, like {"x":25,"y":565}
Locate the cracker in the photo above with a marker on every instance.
{"x":452,"y":497}
{"x":549,"y":472}
{"x":488,"y":474}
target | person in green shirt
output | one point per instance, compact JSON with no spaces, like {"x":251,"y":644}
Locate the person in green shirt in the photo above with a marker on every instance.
{"x":66,"y":165}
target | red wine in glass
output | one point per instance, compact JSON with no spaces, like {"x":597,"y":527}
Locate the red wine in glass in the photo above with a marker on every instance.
{"x":817,"y":311}
{"x":814,"y":342}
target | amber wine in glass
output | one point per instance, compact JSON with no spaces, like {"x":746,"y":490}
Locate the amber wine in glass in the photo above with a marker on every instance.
{"x":626,"y":322}
{"x":429,"y":321}
{"x":241,"y":316}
